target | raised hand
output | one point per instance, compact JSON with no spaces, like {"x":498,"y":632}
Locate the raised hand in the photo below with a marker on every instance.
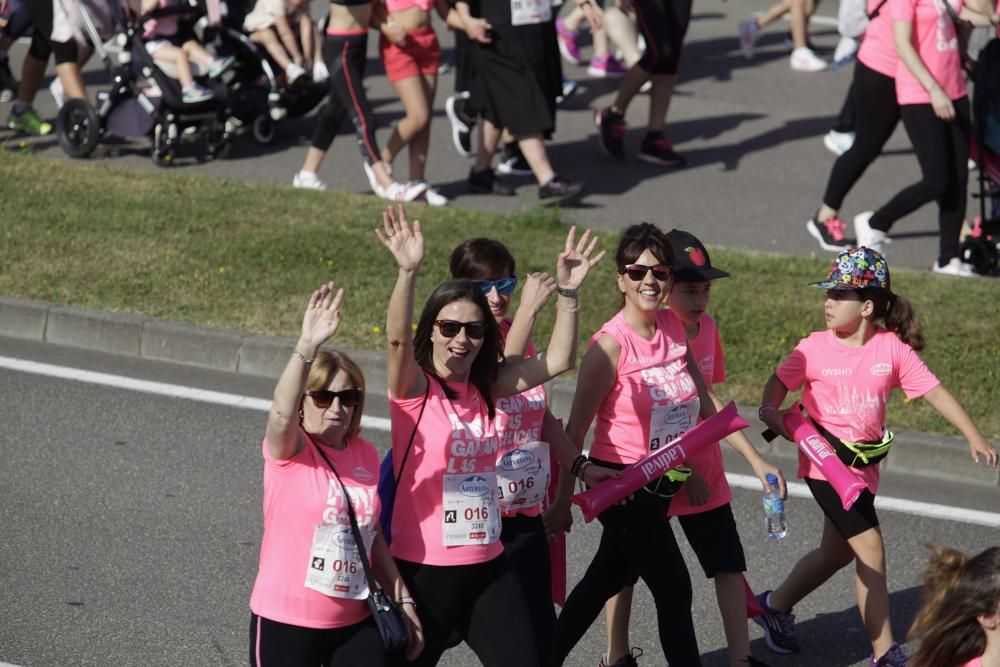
{"x":405,"y":243}
{"x":538,"y":288}
{"x":322,"y":317}
{"x":575,"y":260}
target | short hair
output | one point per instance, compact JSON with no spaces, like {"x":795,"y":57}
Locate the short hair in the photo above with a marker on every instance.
{"x":481,"y":258}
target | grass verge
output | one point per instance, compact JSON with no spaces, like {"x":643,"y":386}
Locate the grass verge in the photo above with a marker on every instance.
{"x":227,"y":253}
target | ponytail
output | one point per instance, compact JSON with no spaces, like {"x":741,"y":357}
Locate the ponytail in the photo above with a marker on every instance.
{"x":897,"y":315}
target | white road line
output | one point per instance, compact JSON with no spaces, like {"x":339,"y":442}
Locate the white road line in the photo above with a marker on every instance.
{"x":795,"y":489}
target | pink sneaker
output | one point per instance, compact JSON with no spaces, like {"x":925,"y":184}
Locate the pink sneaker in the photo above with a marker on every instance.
{"x":567,"y":43}
{"x":605,"y":67}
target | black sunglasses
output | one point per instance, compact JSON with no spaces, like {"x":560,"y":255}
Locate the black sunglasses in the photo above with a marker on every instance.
{"x":450,"y":328}
{"x":324,"y":398}
{"x":505,"y":286}
{"x":638,"y":271}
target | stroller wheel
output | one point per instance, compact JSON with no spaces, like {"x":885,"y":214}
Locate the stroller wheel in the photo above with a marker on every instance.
{"x":78,"y":128}
{"x":163,"y":157}
{"x":264,"y":129}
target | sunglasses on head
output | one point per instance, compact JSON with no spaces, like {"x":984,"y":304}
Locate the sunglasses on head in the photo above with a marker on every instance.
{"x":324,"y":398}
{"x":637,"y":272}
{"x":450,"y":328}
{"x":505,"y":286}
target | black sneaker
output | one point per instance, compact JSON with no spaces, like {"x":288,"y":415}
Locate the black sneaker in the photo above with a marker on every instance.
{"x":8,"y":84}
{"x":485,"y":182}
{"x":461,"y":122}
{"x":657,"y":149}
{"x":830,"y":234}
{"x":611,"y":133}
{"x":560,"y":191}
{"x":512,"y":162}
{"x":627,"y":660}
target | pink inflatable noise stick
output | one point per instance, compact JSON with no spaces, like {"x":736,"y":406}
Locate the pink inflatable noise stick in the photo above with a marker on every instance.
{"x":595,"y":500}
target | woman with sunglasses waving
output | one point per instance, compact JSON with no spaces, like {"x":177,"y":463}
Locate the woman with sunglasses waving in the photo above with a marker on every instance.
{"x":526,"y":429}
{"x":443,"y":381}
{"x":308,"y":605}
{"x":639,"y":378}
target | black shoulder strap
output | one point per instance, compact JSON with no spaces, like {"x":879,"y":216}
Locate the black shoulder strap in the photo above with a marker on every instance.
{"x":413,"y":433}
{"x":878,"y":8}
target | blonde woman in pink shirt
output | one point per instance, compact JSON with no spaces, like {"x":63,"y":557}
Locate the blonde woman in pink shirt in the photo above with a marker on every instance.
{"x":959,"y":623}
{"x":444,"y":378}
{"x":868,"y":349}
{"x":308,"y":606}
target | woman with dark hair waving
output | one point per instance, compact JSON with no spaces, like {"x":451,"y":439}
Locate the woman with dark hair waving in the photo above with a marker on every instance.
{"x":443,"y":380}
{"x":308,"y":606}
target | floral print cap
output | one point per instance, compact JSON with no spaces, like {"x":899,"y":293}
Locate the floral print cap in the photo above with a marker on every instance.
{"x":857,"y":268}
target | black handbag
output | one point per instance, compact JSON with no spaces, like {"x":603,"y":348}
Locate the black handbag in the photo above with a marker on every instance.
{"x":387,"y":614}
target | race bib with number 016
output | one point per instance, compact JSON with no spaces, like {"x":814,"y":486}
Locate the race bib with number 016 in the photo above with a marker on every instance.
{"x":335,"y":567}
{"x":669,"y":422}
{"x":471,"y":515}
{"x":523,"y":476}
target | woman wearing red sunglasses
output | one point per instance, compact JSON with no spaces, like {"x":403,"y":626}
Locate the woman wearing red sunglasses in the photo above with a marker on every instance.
{"x":443,"y":382}
{"x":641,"y":382}
{"x":308,"y":605}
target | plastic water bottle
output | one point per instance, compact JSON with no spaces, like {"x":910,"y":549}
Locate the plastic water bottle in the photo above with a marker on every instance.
{"x":774,"y":512}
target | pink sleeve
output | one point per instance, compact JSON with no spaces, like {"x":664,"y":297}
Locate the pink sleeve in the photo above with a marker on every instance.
{"x":912,"y":374}
{"x":792,"y":371}
{"x":719,"y":369}
{"x":278,"y":463}
{"x":902,"y":10}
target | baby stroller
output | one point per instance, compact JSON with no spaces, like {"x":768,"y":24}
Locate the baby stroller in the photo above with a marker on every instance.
{"x":130,"y":108}
{"x":982,"y":247}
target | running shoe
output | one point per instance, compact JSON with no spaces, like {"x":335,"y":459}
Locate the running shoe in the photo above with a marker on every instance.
{"x":220,"y":66}
{"x":486,"y":182}
{"x":894,"y":657}
{"x":627,"y":660}
{"x":790,"y":43}
{"x":403,"y":192}
{"x":294,"y":72}
{"x":868,"y":237}
{"x":804,"y":60}
{"x":567,"y":43}
{"x":560,"y":191}
{"x":308,"y":180}
{"x":27,"y":121}
{"x":838,"y":143}
{"x":569,"y":86}
{"x":57,"y":92}
{"x":829,"y":233}
{"x":8,"y":84}
{"x":748,"y":37}
{"x":433,"y":197}
{"x":955,"y":267}
{"x":196,"y":93}
{"x":657,"y":149}
{"x":611,"y":133}
{"x":461,"y":122}
{"x":606,"y":67}
{"x":779,"y":626}
{"x":512,"y":162}
{"x":845,"y":53}
{"x":320,"y":71}
{"x":372,"y":180}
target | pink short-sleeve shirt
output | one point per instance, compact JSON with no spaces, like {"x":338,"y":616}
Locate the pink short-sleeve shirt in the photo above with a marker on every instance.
{"x":936,"y":42}
{"x":878,"y":50}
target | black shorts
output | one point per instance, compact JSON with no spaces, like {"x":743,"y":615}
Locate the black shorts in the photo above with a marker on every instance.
{"x":715,"y":540}
{"x":858,"y":519}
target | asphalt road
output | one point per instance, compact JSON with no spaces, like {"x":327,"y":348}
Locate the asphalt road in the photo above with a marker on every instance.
{"x":751,"y":131}
{"x":130,"y":525}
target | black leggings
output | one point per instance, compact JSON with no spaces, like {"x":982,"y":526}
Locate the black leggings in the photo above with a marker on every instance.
{"x":345,"y":57}
{"x":637,"y":538}
{"x":663,"y":24}
{"x":482,"y":603}
{"x":876,"y":94}
{"x":527,"y":548}
{"x":274,"y":644}
{"x":942,"y":149}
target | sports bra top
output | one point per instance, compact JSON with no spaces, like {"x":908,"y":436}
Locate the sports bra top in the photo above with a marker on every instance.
{"x":400,"y":5}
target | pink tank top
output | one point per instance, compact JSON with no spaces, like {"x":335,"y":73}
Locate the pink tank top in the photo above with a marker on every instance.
{"x":299,"y":494}
{"x":400,"y":5}
{"x":653,"y":399}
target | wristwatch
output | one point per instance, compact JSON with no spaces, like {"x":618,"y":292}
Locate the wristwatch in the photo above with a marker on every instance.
{"x":569,"y":292}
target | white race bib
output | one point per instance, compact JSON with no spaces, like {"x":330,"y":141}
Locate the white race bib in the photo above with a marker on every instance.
{"x":471,"y":515}
{"x":669,"y":422}
{"x":523,"y":476}
{"x":335,"y":566}
{"x":530,"y":12}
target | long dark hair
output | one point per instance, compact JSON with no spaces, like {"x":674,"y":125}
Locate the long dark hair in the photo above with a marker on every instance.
{"x":957,"y":589}
{"x":487,"y":362}
{"x":897,"y":315}
{"x":481,"y":258}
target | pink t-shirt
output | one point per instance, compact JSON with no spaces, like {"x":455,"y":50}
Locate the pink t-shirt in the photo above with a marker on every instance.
{"x":936,"y":42}
{"x":455,"y":442}
{"x":707,"y":350}
{"x":651,"y":383}
{"x":878,"y":50}
{"x":846,"y":388}
{"x":300,"y":493}
{"x":519,"y":422}
{"x":975,"y":662}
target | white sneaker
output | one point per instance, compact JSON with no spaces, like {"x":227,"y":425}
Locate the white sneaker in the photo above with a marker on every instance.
{"x":868,"y":237}
{"x":847,"y":49}
{"x":971,"y":164}
{"x":372,"y":181}
{"x":320,"y":72}
{"x":955,"y":267}
{"x":57,"y":92}
{"x":294,"y":72}
{"x":433,"y":197}
{"x":804,"y":60}
{"x":748,"y":37}
{"x":308,"y":180}
{"x":404,"y":192}
{"x":838,"y":143}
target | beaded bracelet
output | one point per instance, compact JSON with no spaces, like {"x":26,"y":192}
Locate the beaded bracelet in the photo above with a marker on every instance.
{"x":578,"y":462}
{"x":296,"y":353}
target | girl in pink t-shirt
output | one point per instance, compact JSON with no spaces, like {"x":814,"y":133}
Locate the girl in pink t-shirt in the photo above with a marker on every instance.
{"x":959,"y":623}
{"x":308,"y":605}
{"x":868,"y":349}
{"x":443,"y":379}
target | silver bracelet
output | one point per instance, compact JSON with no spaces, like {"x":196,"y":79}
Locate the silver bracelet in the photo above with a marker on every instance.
{"x":296,"y":353}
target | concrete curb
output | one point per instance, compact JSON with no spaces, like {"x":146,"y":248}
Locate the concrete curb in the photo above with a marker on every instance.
{"x":927,"y":454}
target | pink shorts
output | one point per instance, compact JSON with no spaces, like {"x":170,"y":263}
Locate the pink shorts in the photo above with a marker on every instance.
{"x":420,"y":54}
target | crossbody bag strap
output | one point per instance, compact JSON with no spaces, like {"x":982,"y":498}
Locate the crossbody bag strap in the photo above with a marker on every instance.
{"x":878,"y":8}
{"x":413,"y":434}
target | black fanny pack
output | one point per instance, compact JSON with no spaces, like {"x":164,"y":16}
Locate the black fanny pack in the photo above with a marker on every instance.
{"x":858,"y":454}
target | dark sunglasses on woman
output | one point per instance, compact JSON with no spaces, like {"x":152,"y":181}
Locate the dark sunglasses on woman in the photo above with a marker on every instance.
{"x":323,"y":398}
{"x":450,"y":328}
{"x":637,"y":272}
